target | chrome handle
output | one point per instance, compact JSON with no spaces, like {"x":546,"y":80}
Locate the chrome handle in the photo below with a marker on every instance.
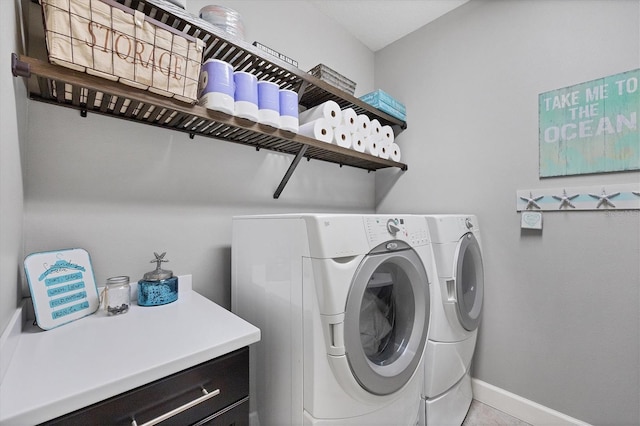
{"x":451,"y":291}
{"x":176,"y":411}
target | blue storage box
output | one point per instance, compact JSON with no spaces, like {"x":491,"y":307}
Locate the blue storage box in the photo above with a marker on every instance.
{"x":384,"y":102}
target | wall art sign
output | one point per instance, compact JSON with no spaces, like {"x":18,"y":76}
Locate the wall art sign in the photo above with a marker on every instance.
{"x":591,"y":127}
{"x":62,"y":286}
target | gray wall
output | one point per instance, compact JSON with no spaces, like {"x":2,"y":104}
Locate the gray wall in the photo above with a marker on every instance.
{"x":561,"y":318}
{"x":13,"y":104}
{"x":123,"y":190}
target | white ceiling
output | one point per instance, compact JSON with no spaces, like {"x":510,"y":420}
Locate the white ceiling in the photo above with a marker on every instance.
{"x":378,"y":23}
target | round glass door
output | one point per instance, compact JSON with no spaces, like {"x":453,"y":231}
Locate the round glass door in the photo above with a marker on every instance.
{"x":469,"y":282}
{"x":386,"y":319}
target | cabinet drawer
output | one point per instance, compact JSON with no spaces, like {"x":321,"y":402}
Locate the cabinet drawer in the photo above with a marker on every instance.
{"x":229,"y":374}
{"x":237,"y":415}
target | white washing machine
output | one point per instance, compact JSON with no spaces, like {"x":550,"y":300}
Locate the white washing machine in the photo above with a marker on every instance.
{"x":456,"y":310}
{"x":343,"y":305}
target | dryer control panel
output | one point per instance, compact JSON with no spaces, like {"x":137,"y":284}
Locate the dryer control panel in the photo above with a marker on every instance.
{"x":381,"y":228}
{"x":449,"y":228}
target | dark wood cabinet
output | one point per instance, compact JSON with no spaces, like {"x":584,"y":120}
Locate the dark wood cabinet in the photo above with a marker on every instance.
{"x":212,"y":393}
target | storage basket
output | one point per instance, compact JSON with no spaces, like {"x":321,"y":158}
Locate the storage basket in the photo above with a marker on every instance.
{"x":110,"y":40}
{"x":334,"y":78}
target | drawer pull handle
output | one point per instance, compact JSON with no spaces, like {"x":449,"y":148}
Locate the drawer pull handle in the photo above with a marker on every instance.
{"x":206,"y":396}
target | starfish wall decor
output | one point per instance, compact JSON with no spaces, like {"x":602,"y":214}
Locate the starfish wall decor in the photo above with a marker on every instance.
{"x":531,"y":201}
{"x":604,"y":199}
{"x":565,"y":200}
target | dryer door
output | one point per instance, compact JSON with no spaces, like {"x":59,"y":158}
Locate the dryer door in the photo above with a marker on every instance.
{"x":387,"y":318}
{"x":469,"y":281}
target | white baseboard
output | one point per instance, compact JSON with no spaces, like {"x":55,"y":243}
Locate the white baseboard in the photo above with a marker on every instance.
{"x":517,"y":406}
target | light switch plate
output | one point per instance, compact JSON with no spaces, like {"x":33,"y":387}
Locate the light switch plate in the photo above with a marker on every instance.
{"x":531,"y":220}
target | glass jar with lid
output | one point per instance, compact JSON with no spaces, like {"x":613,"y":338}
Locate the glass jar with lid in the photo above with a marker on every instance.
{"x":158,"y":287}
{"x":117,"y":295}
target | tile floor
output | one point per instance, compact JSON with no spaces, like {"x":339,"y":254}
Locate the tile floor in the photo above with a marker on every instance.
{"x":483,"y":415}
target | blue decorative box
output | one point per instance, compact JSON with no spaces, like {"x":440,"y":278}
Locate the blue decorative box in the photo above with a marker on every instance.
{"x":385,"y":102}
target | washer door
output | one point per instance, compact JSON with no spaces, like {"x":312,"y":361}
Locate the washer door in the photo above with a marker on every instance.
{"x":387,"y":318}
{"x":469,"y":281}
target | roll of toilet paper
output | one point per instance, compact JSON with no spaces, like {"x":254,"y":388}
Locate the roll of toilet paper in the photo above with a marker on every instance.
{"x":394,"y":152}
{"x":216,"y":86}
{"x":328,"y":110}
{"x":350,"y":120}
{"x":376,"y":128}
{"x":357,"y":142}
{"x":246,"y":95}
{"x":383,"y":151}
{"x":317,"y":129}
{"x":383,"y":143}
{"x":342,"y":136}
{"x":387,"y":135}
{"x":269,"y":103}
{"x":364,"y":125}
{"x":371,"y":146}
{"x":289,"y":110}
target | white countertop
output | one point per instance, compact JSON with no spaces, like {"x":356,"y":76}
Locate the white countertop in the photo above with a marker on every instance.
{"x":55,"y":372}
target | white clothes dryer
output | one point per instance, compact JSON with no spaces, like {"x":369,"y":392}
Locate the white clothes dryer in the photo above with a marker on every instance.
{"x":343,"y":305}
{"x":456,"y":311}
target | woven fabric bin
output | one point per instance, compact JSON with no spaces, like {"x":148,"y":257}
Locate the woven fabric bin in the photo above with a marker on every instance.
{"x":110,"y":40}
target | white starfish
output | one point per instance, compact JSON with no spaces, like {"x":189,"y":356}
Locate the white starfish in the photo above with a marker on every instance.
{"x":604,"y":198}
{"x":532,"y":202}
{"x":565,"y":200}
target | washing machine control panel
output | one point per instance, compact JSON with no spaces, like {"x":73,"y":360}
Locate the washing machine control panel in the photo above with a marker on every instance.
{"x":411,"y":229}
{"x":468,"y":223}
{"x":393,"y":226}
